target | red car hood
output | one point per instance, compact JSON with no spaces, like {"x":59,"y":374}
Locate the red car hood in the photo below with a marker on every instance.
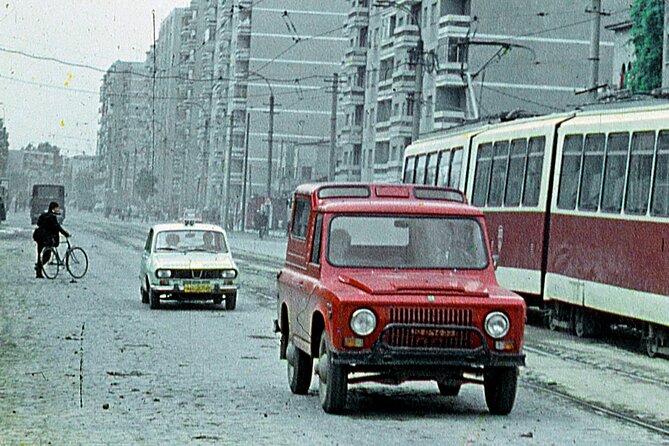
{"x":394,"y":283}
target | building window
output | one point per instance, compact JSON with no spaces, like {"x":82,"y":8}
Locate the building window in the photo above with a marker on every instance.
{"x":357,"y":150}
{"x":362,"y":37}
{"x":410,"y":104}
{"x":359,"y":109}
{"x":381,"y":152}
{"x":386,"y":69}
{"x":449,"y":99}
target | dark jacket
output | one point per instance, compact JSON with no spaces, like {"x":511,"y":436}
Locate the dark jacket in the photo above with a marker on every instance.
{"x":48,"y":230}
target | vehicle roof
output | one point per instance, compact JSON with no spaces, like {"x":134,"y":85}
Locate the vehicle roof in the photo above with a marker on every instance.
{"x":381,"y":200}
{"x":183,"y":227}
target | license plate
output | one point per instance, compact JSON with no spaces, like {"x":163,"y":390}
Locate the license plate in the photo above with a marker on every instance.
{"x":200,"y":287}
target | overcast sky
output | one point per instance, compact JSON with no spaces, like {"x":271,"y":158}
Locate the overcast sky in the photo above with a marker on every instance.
{"x":48,"y":101}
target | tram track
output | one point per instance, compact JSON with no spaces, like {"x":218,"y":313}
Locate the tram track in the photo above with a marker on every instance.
{"x":653,"y":426}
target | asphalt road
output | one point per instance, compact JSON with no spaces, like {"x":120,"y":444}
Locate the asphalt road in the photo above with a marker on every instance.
{"x":87,"y":363}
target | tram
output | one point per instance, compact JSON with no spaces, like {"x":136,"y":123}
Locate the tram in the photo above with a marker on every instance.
{"x":577,"y":204}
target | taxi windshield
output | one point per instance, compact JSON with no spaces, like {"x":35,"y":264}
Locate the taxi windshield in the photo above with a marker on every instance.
{"x":407,"y":242}
{"x":191,"y":240}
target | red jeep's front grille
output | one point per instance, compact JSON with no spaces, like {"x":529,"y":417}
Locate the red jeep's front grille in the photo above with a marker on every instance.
{"x":424,"y":337}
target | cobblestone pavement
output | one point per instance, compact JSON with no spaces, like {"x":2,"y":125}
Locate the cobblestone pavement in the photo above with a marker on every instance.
{"x":87,"y":363}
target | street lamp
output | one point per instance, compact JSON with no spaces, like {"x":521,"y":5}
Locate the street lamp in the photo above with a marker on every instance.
{"x":415,"y":131}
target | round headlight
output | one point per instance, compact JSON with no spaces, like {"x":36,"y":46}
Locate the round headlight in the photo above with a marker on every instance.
{"x":163,"y":273}
{"x":496,"y":324}
{"x":228,"y":274}
{"x":363,"y":322}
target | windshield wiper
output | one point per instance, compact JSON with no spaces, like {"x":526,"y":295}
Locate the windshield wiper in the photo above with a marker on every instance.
{"x":167,"y":248}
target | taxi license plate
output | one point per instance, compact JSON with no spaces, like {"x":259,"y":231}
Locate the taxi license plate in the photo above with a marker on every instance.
{"x":200,"y":287}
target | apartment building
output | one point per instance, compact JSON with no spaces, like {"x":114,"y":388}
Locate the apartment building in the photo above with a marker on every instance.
{"x":123,"y":144}
{"x":479,"y":57}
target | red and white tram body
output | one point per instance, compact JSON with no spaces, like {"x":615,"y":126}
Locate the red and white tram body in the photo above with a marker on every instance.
{"x":609,"y":232}
{"x":577,"y":205}
{"x":509,"y":181}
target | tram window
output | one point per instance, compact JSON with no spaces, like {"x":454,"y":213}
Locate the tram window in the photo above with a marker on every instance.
{"x":431,"y":174}
{"x":535,"y":163}
{"x":444,"y":166}
{"x":500,"y":164}
{"x":571,"y":170}
{"x":638,"y":182}
{"x":591,"y":179}
{"x":482,"y":175}
{"x":514,"y":181}
{"x":614,"y":172}
{"x":420,"y":169}
{"x":456,"y":168}
{"x":409,"y":169}
{"x":660,"y":201}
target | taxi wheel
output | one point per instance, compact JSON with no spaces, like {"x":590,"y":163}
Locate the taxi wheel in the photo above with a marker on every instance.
{"x":231,"y":301}
{"x":299,"y":366}
{"x":145,"y":295}
{"x":499,"y":385}
{"x":332,"y":379}
{"x":218,"y":300}
{"x":154,"y":300}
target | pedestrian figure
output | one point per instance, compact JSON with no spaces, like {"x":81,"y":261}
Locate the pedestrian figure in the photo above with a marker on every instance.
{"x":47,"y":233}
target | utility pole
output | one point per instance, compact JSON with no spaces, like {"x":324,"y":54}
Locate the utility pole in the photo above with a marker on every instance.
{"x":270,"y":134}
{"x":596,"y":9}
{"x":153,"y":96}
{"x":246,"y":169}
{"x":418,"y":99}
{"x":333,"y":129}
{"x":226,"y":175}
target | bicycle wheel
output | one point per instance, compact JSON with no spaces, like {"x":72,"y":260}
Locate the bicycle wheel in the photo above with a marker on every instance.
{"x":49,"y":260}
{"x":76,"y":262}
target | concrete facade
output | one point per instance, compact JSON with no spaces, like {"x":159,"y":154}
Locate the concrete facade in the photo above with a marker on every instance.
{"x":529,"y":55}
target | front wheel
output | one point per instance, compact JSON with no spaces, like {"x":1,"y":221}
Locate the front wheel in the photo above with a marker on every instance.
{"x":76,"y":262}
{"x":499,"y":385}
{"x":448,"y":389}
{"x":49,"y":261}
{"x":154,"y":299}
{"x":231,"y":301}
{"x":332,"y":379}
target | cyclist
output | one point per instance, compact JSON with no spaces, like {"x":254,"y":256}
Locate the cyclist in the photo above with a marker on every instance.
{"x":47,"y":234}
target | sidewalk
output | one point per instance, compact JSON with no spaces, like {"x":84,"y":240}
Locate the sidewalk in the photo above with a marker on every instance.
{"x":273,"y":247}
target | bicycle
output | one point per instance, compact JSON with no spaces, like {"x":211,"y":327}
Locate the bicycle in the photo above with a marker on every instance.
{"x":76,"y":261}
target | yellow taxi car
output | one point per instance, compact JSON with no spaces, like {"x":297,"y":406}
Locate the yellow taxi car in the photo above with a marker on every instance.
{"x":188,"y":261}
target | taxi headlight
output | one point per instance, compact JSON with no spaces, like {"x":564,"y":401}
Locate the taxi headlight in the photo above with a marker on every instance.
{"x":496,"y":324}
{"x":163,"y":273}
{"x":363,"y":322}
{"x":228,"y":274}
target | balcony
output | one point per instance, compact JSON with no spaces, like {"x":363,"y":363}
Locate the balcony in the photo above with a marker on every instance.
{"x":242,"y":53}
{"x":356,"y":55}
{"x":358,"y":16}
{"x":449,"y":79}
{"x":244,"y":27}
{"x":406,"y":36}
{"x":454,"y":25}
{"x":444,"y":119}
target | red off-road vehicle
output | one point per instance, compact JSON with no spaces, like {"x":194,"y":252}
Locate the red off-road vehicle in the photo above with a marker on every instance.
{"x":390,"y":283}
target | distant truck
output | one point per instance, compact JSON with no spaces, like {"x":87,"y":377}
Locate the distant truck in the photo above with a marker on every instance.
{"x":4,"y":198}
{"x":42,"y":195}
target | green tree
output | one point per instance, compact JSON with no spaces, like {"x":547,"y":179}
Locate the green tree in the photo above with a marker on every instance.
{"x":647,"y":36}
{"x":145,"y":185}
{"x":4,"y":148}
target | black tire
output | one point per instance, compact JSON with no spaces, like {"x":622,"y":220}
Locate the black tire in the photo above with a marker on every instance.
{"x":448,"y":389}
{"x":332,"y":379}
{"x":586,"y":324}
{"x":500,"y":384}
{"x":299,"y":367}
{"x":50,"y":267}
{"x":554,"y":317}
{"x":231,"y":301}
{"x":144,"y":294}
{"x":76,"y":262}
{"x":218,"y":300}
{"x":154,"y":300}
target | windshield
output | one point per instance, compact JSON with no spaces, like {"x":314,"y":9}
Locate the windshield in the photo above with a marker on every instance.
{"x":205,"y":241}
{"x":407,"y":242}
